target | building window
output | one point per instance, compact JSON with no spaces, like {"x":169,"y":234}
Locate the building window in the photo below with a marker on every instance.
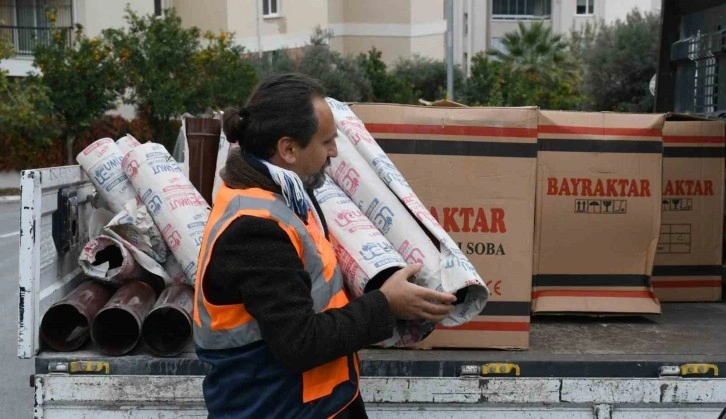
{"x":521,"y":9}
{"x":585,"y":7}
{"x":466,"y":24}
{"x":161,"y":5}
{"x":27,"y":23}
{"x":270,"y":8}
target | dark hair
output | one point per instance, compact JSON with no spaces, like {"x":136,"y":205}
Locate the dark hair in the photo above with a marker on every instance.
{"x":280,"y":106}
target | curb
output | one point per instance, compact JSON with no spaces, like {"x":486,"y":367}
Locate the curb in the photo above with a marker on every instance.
{"x":9,"y":199}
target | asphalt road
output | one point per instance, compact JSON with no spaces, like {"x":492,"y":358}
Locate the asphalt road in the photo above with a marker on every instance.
{"x":16,"y":395}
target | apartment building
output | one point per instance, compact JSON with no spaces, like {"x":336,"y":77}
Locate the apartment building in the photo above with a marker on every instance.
{"x":479,"y":25}
{"x":25,"y":22}
{"x":400,"y":28}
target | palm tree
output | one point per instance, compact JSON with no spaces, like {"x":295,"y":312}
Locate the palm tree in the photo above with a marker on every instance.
{"x":529,"y":48}
{"x":542,"y":57}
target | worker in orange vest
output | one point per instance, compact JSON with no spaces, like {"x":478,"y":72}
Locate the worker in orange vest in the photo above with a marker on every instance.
{"x":272,"y":318}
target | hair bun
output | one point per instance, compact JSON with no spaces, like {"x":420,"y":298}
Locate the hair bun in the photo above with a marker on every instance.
{"x":244,"y":119}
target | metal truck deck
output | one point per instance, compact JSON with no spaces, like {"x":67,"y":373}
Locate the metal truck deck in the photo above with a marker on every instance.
{"x":560,"y":346}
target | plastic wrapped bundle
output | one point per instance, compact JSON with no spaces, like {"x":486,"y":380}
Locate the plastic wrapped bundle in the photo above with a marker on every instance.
{"x":387,"y":199}
{"x":365,"y":256}
{"x":222,"y":153}
{"x":126,"y":143}
{"x":178,"y":210}
{"x":102,"y":163}
{"x":108,"y":260}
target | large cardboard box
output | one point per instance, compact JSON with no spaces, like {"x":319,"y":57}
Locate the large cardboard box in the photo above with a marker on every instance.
{"x":475,"y":169}
{"x":688,"y":260}
{"x":598,"y":212}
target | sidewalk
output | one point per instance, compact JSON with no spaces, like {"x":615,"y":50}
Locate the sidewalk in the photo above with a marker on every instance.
{"x":9,"y":180}
{"x":9,"y":199}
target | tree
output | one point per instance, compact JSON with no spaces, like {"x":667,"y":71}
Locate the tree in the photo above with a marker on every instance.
{"x":25,"y":107}
{"x":81,"y":77}
{"x":387,"y":88}
{"x":157,"y":56}
{"x":343,"y":76}
{"x":426,"y":76}
{"x":270,"y":62}
{"x":484,"y":86}
{"x":581,"y":40}
{"x":538,"y":69}
{"x":620,"y":64}
{"x":225,"y":77}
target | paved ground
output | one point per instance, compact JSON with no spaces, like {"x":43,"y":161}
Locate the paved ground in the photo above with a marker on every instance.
{"x":16,"y":396}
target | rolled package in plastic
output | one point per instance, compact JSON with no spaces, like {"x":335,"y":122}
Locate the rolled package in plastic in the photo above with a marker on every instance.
{"x":222,"y":153}
{"x":445,"y":268}
{"x":126,"y":143}
{"x":108,"y":260}
{"x":178,"y":210}
{"x":103,"y":222}
{"x":183,"y":142}
{"x":137,"y":227}
{"x":366,"y":258}
{"x":102,"y":163}
{"x":174,"y":270}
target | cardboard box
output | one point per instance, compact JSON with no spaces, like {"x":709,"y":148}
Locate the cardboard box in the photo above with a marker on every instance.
{"x":597,"y":212}
{"x":475,"y":169}
{"x":688,"y":260}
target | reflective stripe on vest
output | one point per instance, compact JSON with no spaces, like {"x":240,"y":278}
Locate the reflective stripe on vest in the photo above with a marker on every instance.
{"x":229,"y":326}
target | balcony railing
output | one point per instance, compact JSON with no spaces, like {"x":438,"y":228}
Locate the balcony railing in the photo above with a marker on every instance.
{"x":521,"y":17}
{"x":24,"y":39}
{"x":27,"y":26}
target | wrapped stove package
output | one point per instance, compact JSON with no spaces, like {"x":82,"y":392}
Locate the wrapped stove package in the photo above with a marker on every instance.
{"x":374,"y":261}
{"x":176,"y":207}
{"x":598,"y":212}
{"x":688,"y":262}
{"x":387,"y":200}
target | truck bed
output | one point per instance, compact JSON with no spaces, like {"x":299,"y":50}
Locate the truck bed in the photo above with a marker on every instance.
{"x":560,"y":346}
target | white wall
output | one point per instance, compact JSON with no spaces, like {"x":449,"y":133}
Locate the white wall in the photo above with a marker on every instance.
{"x":476,"y":38}
{"x":97,"y":15}
{"x":619,"y":9}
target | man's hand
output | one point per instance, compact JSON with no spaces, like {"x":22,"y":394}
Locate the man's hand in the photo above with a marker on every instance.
{"x":410,"y":301}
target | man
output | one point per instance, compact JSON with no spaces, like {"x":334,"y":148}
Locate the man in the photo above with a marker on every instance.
{"x":271,"y":316}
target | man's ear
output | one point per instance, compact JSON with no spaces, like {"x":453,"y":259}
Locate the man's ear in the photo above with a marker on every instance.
{"x":286,"y":150}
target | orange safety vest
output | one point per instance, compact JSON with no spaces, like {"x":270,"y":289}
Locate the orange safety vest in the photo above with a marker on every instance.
{"x":220,"y":327}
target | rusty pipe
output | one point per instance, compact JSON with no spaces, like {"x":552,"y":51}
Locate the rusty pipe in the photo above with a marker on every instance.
{"x":167,"y":328}
{"x":66,"y":324}
{"x":117,"y":327}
